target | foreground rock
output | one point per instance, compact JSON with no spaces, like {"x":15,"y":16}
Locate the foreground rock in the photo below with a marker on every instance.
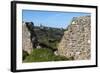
{"x":76,"y":40}
{"x":26,"y":41}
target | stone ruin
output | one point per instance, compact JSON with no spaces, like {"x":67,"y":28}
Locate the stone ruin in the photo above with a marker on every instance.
{"x":76,"y":41}
{"x":26,"y":41}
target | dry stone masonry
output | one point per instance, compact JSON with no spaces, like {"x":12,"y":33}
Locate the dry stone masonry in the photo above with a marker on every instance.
{"x":76,"y":40}
{"x":26,"y":41}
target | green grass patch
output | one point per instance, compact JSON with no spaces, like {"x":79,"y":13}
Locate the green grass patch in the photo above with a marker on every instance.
{"x":43,"y":55}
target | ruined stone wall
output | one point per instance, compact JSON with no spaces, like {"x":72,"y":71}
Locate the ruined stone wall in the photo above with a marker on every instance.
{"x":76,"y":40}
{"x":26,"y":42}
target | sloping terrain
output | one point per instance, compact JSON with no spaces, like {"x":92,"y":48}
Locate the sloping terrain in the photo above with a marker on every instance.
{"x":49,"y":36}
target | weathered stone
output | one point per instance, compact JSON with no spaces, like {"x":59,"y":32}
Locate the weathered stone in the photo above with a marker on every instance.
{"x":76,"y":41}
{"x":26,"y":41}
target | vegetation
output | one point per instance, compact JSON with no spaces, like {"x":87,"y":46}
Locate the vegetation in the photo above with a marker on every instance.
{"x":25,"y":54}
{"x":48,"y":35}
{"x":48,"y":39}
{"x":42,"y":55}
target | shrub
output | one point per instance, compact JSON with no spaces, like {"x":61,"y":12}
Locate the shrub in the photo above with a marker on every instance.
{"x":25,"y":54}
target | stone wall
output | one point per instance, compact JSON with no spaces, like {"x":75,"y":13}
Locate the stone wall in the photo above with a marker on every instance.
{"x":26,"y":41}
{"x":76,"y":40}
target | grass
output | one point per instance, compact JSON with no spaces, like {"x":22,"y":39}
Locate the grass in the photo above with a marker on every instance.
{"x":43,"y":55}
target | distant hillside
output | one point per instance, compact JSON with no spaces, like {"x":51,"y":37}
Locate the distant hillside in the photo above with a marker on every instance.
{"x":41,"y":36}
{"x":48,"y":35}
